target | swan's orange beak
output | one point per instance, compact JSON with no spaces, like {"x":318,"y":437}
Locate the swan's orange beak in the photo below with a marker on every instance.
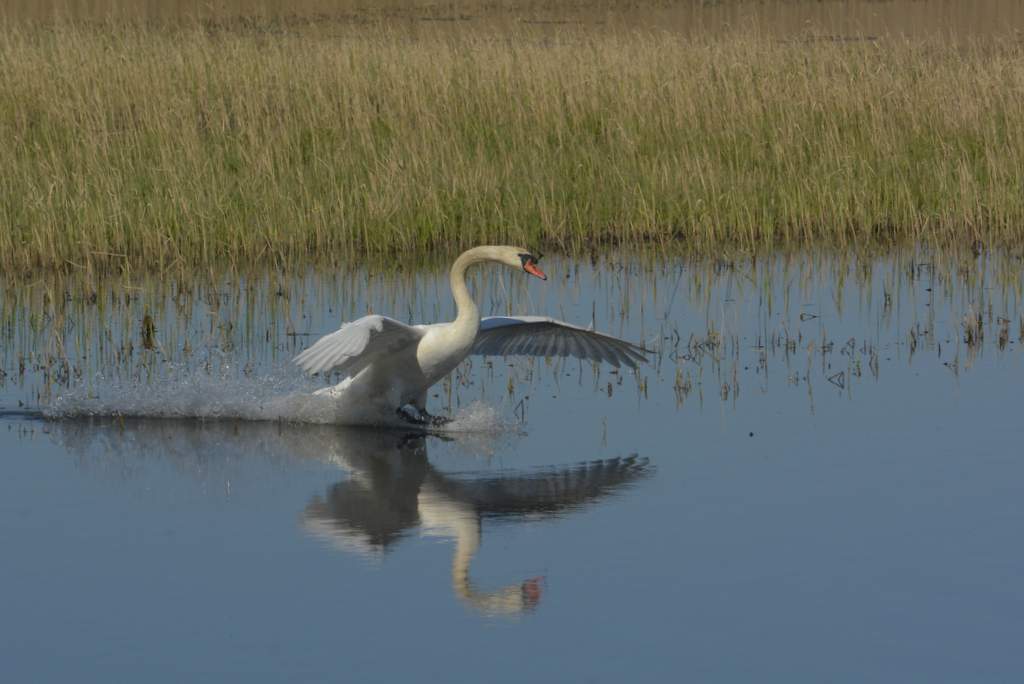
{"x":531,"y":268}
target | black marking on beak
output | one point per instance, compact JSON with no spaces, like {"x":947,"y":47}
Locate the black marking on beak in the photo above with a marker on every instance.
{"x":530,"y":265}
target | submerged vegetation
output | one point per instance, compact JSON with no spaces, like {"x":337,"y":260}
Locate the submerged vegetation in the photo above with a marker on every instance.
{"x":130,"y":144}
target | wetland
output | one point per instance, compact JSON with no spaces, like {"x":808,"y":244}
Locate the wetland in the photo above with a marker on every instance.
{"x":807,"y":213}
{"x":821,"y":459}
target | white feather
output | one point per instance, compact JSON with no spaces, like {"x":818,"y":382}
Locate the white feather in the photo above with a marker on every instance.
{"x":357,"y":344}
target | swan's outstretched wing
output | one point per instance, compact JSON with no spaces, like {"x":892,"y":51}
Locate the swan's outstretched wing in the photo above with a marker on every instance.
{"x":540,"y":336}
{"x":357,"y":344}
{"x":549,"y":491}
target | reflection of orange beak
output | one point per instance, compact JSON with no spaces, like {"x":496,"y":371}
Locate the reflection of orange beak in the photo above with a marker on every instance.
{"x":532,"y":590}
{"x":531,"y":268}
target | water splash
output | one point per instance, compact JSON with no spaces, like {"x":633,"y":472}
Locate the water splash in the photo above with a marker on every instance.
{"x":477,"y":417}
{"x":277,"y":396}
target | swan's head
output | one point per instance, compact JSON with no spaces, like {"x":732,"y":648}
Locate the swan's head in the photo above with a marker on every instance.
{"x":517,"y":257}
{"x":513,"y":257}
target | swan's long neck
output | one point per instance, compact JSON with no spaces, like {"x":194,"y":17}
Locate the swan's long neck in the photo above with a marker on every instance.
{"x":504,"y":601}
{"x":443,"y":515}
{"x":467,"y":312}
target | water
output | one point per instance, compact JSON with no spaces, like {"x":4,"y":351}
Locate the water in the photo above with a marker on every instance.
{"x":818,"y":477}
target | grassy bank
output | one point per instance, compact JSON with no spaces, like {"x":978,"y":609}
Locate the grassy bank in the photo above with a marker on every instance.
{"x":195,"y":146}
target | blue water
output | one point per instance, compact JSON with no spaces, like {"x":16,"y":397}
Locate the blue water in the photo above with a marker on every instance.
{"x":736,"y":511}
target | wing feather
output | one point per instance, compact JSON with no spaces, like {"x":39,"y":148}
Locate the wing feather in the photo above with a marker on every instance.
{"x":356,"y":344}
{"x":541,"y":336}
{"x":587,"y":349}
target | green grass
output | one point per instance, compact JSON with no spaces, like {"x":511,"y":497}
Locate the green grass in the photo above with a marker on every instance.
{"x":133,"y":146}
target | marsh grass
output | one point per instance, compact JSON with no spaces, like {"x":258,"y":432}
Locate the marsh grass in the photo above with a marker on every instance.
{"x":131,"y":147}
{"x":715,"y":329}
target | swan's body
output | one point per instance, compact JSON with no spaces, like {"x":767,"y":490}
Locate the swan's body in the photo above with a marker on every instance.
{"x":387,"y":364}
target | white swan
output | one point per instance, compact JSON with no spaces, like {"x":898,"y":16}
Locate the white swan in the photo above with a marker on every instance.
{"x":388,"y":366}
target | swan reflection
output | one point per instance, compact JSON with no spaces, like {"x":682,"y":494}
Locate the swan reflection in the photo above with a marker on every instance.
{"x":392,"y":489}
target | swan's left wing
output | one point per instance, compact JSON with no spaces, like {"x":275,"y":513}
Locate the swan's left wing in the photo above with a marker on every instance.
{"x":541,"y":336}
{"x":357,"y":344}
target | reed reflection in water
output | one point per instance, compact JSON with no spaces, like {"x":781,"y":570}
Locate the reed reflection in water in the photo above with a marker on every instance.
{"x":721,"y":332}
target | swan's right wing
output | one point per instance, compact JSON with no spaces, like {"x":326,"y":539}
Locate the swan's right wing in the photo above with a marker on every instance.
{"x":357,"y":344}
{"x":541,"y":336}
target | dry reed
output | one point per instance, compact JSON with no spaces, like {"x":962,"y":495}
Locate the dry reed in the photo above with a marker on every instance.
{"x":128,"y":145}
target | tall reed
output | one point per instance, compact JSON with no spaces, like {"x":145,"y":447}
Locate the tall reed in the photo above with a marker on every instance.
{"x":130,"y":145}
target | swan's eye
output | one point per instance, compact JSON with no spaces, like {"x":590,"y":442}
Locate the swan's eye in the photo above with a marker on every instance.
{"x":527,"y":259}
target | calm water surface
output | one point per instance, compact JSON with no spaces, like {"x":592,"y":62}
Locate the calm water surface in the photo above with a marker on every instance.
{"x":818,"y":477}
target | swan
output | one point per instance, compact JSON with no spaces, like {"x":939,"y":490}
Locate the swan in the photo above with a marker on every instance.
{"x":387,"y":366}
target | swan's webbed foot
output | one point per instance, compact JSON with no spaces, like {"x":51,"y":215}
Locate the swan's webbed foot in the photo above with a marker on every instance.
{"x":411,"y":414}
